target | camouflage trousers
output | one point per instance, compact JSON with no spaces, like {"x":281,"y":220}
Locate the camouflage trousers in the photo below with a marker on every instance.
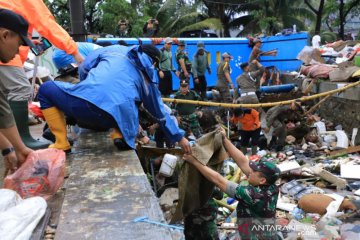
{"x":191,"y":122}
{"x":200,"y":224}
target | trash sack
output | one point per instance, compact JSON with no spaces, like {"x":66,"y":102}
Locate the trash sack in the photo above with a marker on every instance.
{"x":19,"y":219}
{"x":35,"y":109}
{"x":9,"y":198}
{"x":342,"y":74}
{"x":42,"y":174}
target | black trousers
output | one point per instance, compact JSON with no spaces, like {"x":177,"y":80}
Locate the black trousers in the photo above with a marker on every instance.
{"x":165,"y":84}
{"x":200,"y":87}
{"x":246,"y":135}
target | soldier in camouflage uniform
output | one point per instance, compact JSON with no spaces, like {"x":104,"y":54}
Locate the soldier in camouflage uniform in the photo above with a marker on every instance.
{"x":183,"y":62}
{"x":257,"y":201}
{"x":201,"y":224}
{"x":189,"y":120}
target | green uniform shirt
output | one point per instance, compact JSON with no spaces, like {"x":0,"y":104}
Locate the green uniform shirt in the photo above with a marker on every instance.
{"x":181,"y":54}
{"x":199,"y":65}
{"x":223,"y":68}
{"x":186,"y":109}
{"x":165,"y":60}
{"x":256,"y":205}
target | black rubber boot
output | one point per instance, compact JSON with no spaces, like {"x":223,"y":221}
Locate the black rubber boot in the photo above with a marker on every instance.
{"x":21,"y":112}
{"x":121,"y":144}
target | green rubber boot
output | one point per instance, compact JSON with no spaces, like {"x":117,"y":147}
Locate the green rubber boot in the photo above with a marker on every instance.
{"x":21,"y":112}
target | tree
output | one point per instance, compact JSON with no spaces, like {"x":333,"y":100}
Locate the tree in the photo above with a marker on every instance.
{"x":177,"y":16}
{"x":60,"y":10}
{"x":272,"y":16}
{"x":226,"y":11}
{"x":318,"y":12}
{"x":337,"y":13}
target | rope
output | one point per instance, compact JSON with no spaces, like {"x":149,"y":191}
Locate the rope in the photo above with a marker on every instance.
{"x":230,"y":105}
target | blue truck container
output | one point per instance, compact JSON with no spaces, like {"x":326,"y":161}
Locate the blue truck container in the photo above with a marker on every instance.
{"x":288,"y":48}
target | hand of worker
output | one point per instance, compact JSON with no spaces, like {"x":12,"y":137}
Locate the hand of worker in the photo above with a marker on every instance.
{"x":152,"y":129}
{"x":184,"y":143}
{"x":10,"y":163}
{"x":186,"y":74}
{"x":144,"y":140}
{"x":161,"y":74}
{"x":196,"y":80}
{"x":22,"y":154}
{"x":221,"y":131}
{"x":78,"y":58}
{"x":188,"y":158}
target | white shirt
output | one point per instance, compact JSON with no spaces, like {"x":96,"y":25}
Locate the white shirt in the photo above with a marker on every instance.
{"x":316,"y":41}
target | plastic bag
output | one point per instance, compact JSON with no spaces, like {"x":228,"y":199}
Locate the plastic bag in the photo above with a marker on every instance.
{"x":42,"y":174}
{"x":18,"y":217}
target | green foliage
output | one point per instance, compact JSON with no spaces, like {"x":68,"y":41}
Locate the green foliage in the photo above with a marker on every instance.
{"x":176,"y":17}
{"x":272,"y":16}
{"x":60,"y":9}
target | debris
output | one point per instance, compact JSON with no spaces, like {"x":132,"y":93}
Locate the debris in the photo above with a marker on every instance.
{"x":339,"y":182}
{"x":146,"y":220}
{"x":288,"y":165}
{"x":345,"y":151}
{"x":350,"y":170}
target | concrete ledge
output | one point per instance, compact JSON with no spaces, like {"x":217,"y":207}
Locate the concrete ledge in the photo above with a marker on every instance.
{"x":106,"y":190}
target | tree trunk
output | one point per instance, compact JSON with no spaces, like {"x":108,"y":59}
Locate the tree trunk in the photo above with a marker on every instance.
{"x":319,"y":17}
{"x":318,"y":14}
{"x":342,"y":19}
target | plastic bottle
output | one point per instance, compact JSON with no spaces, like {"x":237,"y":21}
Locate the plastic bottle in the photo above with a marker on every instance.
{"x":294,"y":28}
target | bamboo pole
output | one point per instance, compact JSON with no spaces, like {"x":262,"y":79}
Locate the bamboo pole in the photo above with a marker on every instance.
{"x":230,"y":105}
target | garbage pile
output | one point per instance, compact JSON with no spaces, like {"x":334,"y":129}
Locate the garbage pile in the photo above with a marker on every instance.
{"x":319,"y":195}
{"x":338,"y":61}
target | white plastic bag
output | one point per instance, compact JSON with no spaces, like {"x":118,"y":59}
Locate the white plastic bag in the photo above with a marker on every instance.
{"x":18,"y":218}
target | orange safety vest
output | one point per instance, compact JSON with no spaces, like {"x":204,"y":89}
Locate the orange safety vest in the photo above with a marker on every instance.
{"x":249,"y":122}
{"x":40,"y":18}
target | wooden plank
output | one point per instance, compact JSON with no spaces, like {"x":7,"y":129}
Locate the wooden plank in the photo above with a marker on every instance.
{"x":106,"y":190}
{"x":345,"y":151}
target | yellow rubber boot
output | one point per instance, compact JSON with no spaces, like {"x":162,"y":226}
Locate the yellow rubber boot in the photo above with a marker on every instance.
{"x":116,"y":134}
{"x":118,"y":140}
{"x":56,"y":121}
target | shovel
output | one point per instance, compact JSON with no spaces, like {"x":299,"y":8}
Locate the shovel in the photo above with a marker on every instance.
{"x":146,"y":219}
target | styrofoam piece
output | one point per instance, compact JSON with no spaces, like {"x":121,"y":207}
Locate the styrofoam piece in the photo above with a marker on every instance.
{"x":350,"y":171}
{"x":342,"y":139}
{"x":168,"y":165}
{"x":320,"y":126}
{"x":288,"y":165}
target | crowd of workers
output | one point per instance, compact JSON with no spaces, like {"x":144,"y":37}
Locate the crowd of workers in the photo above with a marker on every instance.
{"x":134,"y":79}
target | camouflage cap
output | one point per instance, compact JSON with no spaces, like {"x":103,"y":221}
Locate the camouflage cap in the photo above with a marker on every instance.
{"x":269,"y":169}
{"x":181,"y":43}
{"x":184,"y":83}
